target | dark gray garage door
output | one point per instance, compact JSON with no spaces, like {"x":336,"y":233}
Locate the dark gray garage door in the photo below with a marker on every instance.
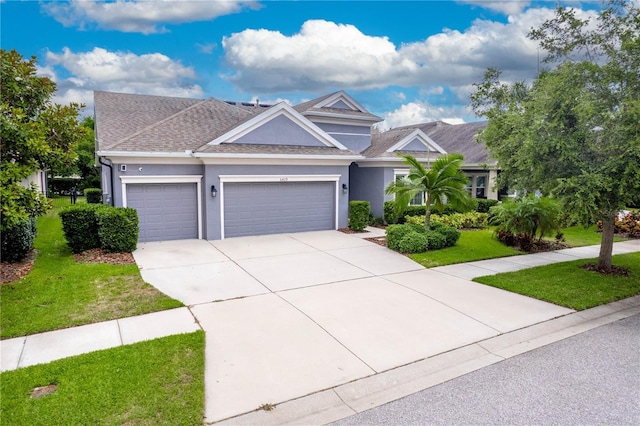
{"x":278,"y":207}
{"x":167,"y":211}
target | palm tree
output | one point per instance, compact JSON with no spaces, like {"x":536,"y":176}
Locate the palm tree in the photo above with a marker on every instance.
{"x":443,"y":182}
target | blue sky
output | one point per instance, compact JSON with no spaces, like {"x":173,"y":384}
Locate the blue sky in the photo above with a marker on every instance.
{"x":406,"y":61}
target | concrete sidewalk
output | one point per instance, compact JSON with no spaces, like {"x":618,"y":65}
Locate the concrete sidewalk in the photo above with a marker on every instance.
{"x":303,"y":313}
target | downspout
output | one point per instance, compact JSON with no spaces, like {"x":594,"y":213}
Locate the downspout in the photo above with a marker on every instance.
{"x":110,"y":178}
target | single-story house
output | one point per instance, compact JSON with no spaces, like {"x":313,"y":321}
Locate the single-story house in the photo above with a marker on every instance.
{"x":215,"y":169}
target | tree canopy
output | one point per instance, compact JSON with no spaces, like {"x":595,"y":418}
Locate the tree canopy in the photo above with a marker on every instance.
{"x":36,"y":134}
{"x":575,"y":132}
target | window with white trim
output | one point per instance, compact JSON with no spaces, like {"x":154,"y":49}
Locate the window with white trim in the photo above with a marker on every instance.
{"x":418,"y":200}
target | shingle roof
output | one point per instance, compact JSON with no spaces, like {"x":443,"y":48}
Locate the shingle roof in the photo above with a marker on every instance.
{"x":142,"y":123}
{"x":459,"y":138}
{"x":308,"y":107}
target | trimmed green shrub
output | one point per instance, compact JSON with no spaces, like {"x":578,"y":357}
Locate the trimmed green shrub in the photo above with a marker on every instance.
{"x":118,"y":229}
{"x":470,"y":220}
{"x":450,"y":234}
{"x":359,"y":212}
{"x":413,"y":242}
{"x":94,"y":195}
{"x":80,"y":226}
{"x":435,"y":240}
{"x":395,"y":233}
{"x":17,"y":241}
{"x":485,"y":205}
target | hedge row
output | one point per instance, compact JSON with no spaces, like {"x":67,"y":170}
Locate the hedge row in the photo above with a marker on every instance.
{"x":470,"y":220}
{"x":412,"y":238}
{"x":17,"y":241}
{"x":481,"y":206}
{"x":94,"y":195}
{"x":113,"y":229}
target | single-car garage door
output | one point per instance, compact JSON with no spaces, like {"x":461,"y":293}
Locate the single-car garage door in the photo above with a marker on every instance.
{"x":166,"y":211}
{"x":260,"y":208}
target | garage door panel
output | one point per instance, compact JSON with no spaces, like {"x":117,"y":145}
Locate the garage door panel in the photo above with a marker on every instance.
{"x":165,"y":211}
{"x":278,"y":207}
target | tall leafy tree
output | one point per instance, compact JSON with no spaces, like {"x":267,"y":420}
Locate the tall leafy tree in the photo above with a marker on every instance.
{"x":36,"y":135}
{"x":575,"y":132}
{"x":443,"y":183}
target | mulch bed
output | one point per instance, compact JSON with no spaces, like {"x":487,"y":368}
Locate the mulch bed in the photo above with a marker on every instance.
{"x":351,"y":231}
{"x":14,"y":271}
{"x":98,"y":256}
{"x":17,"y":270}
{"x":616,"y":271}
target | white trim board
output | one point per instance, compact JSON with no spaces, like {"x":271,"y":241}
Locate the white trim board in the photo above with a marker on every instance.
{"x":197,"y":179}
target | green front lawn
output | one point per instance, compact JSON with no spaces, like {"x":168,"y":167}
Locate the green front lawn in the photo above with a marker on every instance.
{"x":472,"y":245}
{"x":60,"y":293}
{"x":578,"y":236}
{"x":158,"y":382}
{"x":567,"y":284}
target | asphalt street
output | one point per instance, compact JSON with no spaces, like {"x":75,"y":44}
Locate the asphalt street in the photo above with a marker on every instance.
{"x":590,"y":379}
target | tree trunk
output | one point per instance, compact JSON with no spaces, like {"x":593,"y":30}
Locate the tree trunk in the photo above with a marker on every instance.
{"x":606,"y":245}
{"x":427,"y":213}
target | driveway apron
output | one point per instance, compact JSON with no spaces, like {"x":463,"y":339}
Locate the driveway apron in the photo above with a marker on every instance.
{"x":292,"y":314}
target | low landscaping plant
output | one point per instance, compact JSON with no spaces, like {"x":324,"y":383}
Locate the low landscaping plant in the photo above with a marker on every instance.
{"x":469,"y":220}
{"x":628,"y":224}
{"x":413,"y":238}
{"x":118,"y":229}
{"x":18,"y":240}
{"x":524,"y":222}
{"x":359,"y":212}
{"x":80,"y":226}
{"x":94,"y":195}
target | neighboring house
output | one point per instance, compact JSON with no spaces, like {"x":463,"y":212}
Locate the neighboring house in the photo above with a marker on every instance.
{"x":214,"y":169}
{"x":37,"y":179}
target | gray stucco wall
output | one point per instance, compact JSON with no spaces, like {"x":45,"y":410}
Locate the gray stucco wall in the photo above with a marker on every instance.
{"x":212,"y":177}
{"x":280,"y":131}
{"x":355,"y":138}
{"x":368,"y":184}
{"x":149,"y":170}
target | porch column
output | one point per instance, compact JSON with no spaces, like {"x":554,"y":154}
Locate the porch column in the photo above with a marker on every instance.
{"x":492,"y":190}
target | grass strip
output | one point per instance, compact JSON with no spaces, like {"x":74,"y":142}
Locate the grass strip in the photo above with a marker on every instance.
{"x":60,"y":293}
{"x":472,"y":245}
{"x":158,"y":382}
{"x":567,"y":284}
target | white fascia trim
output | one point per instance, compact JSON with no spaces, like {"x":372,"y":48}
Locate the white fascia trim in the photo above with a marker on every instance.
{"x":276,"y":178}
{"x":279,"y":178}
{"x":340,"y":96}
{"x":273,"y":112}
{"x":205,"y":155}
{"x":426,"y":140}
{"x":163,"y":154}
{"x":339,"y":116}
{"x":197,"y":179}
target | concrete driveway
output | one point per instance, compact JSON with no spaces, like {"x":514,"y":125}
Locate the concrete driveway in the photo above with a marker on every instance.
{"x":293,"y":314}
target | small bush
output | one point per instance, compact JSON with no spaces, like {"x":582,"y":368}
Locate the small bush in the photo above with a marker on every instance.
{"x":18,"y":240}
{"x":485,"y":205}
{"x":435,"y":240}
{"x":80,"y":226}
{"x":94,"y":195}
{"x":118,"y":229}
{"x":359,"y":212}
{"x":375,"y":220}
{"x":470,"y":220}
{"x":413,"y":242}
{"x":450,"y":234}
{"x":395,"y":233}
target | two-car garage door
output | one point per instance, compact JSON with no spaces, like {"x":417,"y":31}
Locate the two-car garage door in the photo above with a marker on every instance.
{"x":259,"y":208}
{"x":166,"y":211}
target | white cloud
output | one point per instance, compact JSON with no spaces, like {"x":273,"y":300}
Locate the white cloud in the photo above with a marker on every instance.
{"x":100,"y":69}
{"x":421,"y":112}
{"x":508,"y":7}
{"x":325,"y":55}
{"x":141,"y":16}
